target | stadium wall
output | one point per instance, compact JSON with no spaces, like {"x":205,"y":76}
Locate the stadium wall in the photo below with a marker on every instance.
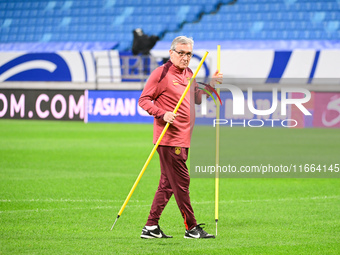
{"x":63,"y":85}
{"x":122,"y":107}
{"x":80,"y":69}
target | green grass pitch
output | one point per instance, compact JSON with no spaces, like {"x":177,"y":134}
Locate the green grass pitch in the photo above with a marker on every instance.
{"x":63,"y":183}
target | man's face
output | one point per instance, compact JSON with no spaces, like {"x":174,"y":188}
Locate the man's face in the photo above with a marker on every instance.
{"x":181,"y":56}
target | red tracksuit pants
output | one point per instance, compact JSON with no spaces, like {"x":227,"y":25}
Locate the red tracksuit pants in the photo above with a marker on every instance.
{"x":175,"y":180}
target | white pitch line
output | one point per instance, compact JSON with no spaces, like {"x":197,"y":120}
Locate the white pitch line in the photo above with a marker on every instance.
{"x":148,"y":205}
{"x":67,"y":209}
{"x":56,"y":209}
{"x":268,"y":200}
{"x":51,"y":200}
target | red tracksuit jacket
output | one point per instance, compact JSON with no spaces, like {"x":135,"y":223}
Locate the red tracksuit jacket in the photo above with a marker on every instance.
{"x":161,"y":93}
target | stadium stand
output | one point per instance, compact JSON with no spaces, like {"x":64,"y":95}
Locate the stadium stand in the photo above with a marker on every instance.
{"x":62,"y":22}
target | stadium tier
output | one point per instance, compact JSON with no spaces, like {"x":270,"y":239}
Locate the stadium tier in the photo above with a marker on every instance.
{"x":60,"y":21}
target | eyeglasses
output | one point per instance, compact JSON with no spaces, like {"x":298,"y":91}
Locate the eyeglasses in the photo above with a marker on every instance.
{"x":182,"y":54}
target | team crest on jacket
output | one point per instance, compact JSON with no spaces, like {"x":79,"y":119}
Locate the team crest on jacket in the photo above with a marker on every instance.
{"x":178,"y":150}
{"x":178,"y":83}
{"x":175,"y":82}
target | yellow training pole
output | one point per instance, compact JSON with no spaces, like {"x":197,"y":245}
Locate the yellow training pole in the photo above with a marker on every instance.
{"x":158,"y":141}
{"x":217,"y":157}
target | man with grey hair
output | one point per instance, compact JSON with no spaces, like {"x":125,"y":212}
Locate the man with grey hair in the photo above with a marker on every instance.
{"x":159,"y":98}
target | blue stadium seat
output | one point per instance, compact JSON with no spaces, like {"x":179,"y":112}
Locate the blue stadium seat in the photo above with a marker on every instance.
{"x":172,"y":26}
{"x":318,"y":16}
{"x":332,"y":26}
{"x":210,"y":18}
{"x":123,"y":45}
{"x":333,"y":15}
{"x":245,"y":19}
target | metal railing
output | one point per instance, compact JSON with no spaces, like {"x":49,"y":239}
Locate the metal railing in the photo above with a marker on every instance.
{"x":125,"y":69}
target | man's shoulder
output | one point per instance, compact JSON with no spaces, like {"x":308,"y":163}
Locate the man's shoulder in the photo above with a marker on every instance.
{"x":166,"y":65}
{"x":162,"y":71}
{"x":189,"y":71}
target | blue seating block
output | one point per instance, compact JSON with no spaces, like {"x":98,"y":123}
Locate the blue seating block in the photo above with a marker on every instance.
{"x":112,"y":20}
